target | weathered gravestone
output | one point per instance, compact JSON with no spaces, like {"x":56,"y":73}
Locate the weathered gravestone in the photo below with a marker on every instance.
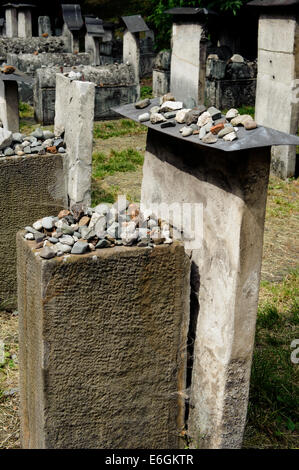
{"x":31,"y":187}
{"x":9,"y":102}
{"x":103,"y":347}
{"x":161,"y":74}
{"x":73,"y":23}
{"x":277,"y":95}
{"x":44,"y":25}
{"x":188,"y":55}
{"x":25,"y":21}
{"x":11,"y":20}
{"x":230,"y":181}
{"x":94,"y":34}
{"x":74,"y":116}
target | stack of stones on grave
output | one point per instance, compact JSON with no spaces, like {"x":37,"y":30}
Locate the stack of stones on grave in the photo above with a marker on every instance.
{"x":82,"y":230}
{"x":38,"y":142}
{"x":209,"y":124}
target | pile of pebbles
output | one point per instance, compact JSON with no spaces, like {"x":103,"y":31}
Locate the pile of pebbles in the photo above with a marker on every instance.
{"x":208,"y":123}
{"x":38,"y":142}
{"x":79,"y":230}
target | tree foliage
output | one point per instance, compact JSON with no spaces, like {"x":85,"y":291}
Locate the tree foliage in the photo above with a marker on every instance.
{"x":162,"y":23}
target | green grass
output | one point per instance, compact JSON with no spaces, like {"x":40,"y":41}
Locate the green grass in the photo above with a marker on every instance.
{"x":273,"y":413}
{"x":146,"y":92}
{"x":108,"y":129}
{"x":126,"y":160}
{"x":25,"y":110}
{"x":100,"y":194}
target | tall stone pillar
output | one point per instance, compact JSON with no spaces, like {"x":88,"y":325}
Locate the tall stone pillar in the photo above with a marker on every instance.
{"x":188,"y":59}
{"x":9,"y":105}
{"x":24,"y":23}
{"x":232,"y":187}
{"x":103,"y":348}
{"x":277,"y":95}
{"x":11,"y":19}
{"x":131,"y":52}
{"x":74,"y":115}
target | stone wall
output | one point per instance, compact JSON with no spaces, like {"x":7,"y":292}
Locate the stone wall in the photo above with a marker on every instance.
{"x":30,"y":187}
{"x":28,"y":46}
{"x":115,"y":85}
{"x":230,"y":84}
{"x":103,"y":348}
{"x":29,"y":63}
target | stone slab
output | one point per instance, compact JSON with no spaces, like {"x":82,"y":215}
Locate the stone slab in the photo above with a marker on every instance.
{"x":103,"y":348}
{"x":260,"y":137}
{"x":30,"y":187}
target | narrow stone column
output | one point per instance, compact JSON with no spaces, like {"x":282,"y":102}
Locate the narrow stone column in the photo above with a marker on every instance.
{"x":9,"y":105}
{"x":11,"y":22}
{"x":24,"y":23}
{"x":103,"y":348}
{"x":186,"y":78}
{"x":74,"y":115}
{"x":92,"y":46}
{"x":131,"y":53}
{"x":232,"y":187}
{"x":277,"y":95}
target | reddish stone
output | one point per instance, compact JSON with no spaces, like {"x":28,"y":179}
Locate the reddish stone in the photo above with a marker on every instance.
{"x":217,"y":128}
{"x":52,"y":149}
{"x":63,"y":213}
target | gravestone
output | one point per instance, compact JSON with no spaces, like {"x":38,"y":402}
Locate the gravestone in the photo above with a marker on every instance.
{"x":11,"y":20}
{"x":73,"y":23}
{"x":161,"y":73}
{"x":131,"y":43}
{"x":31,"y":187}
{"x":230,"y":182}
{"x":188,"y":56}
{"x":24,"y":21}
{"x":9,"y":104}
{"x":44,"y":25}
{"x":277,"y":96}
{"x":103,"y":348}
{"x":74,"y":115}
{"x":95,"y":33}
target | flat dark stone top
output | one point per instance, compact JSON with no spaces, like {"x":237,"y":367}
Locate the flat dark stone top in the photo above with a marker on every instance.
{"x":94,"y":26}
{"x":72,"y":16}
{"x":256,"y":138}
{"x":135,"y":23}
{"x":17,"y":76}
{"x":273,"y":3}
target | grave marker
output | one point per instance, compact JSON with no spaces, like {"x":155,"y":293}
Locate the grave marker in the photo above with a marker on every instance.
{"x":277,"y":96}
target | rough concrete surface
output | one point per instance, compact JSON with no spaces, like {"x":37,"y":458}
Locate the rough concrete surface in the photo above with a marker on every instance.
{"x":31,"y":187}
{"x":102,"y":348}
{"x":225,"y":272}
{"x":277,"y":105}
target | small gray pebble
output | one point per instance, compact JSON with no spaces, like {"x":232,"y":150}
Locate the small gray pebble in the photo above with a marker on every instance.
{"x":80,"y":248}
